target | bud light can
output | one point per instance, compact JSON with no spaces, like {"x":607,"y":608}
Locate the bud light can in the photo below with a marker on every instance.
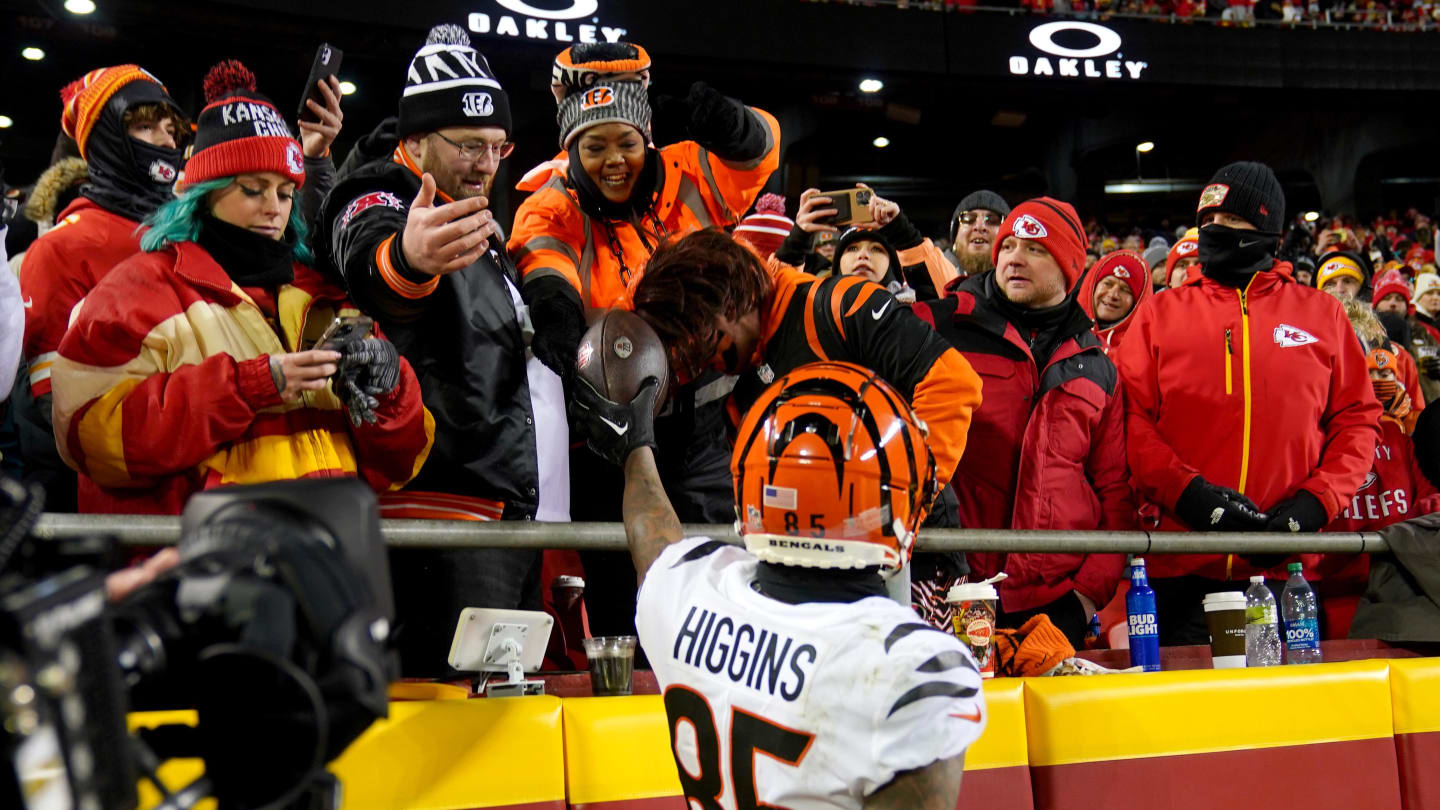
{"x":1144,"y":631}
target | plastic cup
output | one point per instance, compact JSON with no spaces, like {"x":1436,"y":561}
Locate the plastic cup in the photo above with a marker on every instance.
{"x":1225,"y":617}
{"x":974,"y":621}
{"x":612,"y":664}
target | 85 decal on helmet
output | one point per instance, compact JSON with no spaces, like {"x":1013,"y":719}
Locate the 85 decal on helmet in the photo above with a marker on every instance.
{"x":832,"y":470}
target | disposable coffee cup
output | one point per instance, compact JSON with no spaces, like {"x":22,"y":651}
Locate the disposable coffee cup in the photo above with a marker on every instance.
{"x":974,"y":621}
{"x":612,"y":664}
{"x":1225,"y":617}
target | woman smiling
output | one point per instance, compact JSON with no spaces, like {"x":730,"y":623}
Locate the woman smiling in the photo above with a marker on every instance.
{"x":194,"y":363}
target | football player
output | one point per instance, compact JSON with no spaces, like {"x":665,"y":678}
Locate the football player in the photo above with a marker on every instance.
{"x":789,"y":678}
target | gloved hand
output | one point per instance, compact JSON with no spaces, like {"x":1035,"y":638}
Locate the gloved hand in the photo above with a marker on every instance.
{"x":712,"y":119}
{"x":369,"y":369}
{"x":1430,"y":366}
{"x":559,"y":323}
{"x":1301,"y":512}
{"x":1206,"y":507}
{"x":613,"y":430}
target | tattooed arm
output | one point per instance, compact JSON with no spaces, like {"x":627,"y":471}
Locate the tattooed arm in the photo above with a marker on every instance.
{"x":933,"y":787}
{"x":650,"y":521}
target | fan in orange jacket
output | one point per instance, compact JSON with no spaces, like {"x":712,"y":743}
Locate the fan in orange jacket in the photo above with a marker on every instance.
{"x":1248,"y":404}
{"x":582,"y":238}
{"x":1112,"y":293}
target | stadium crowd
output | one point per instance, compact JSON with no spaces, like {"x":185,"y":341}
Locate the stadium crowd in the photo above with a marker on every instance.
{"x":198,"y":305}
{"x":1398,"y":15}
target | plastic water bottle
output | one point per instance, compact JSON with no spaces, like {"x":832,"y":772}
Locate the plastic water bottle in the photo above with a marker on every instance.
{"x":1302,"y":628}
{"x":1144,"y":630}
{"x":1262,"y":628}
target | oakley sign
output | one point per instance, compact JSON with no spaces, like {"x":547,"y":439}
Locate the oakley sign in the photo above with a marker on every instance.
{"x":1069,"y":62}
{"x":546,"y":25}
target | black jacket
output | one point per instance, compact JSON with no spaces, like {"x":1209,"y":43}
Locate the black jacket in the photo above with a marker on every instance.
{"x":1399,"y":605}
{"x":465,"y":339}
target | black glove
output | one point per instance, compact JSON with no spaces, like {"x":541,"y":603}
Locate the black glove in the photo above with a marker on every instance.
{"x":611,"y":429}
{"x":1206,"y":507}
{"x":901,"y":234}
{"x":1430,"y":366}
{"x":715,"y":121}
{"x":559,"y":322}
{"x":369,"y":369}
{"x":1301,"y":512}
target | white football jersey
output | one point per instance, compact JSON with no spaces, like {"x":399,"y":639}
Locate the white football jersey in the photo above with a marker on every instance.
{"x":815,"y":705}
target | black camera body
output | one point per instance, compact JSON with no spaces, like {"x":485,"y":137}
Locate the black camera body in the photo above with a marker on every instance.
{"x":274,"y":628}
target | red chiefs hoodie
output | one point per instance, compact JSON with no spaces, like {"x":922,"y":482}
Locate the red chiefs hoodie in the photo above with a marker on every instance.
{"x":1263,"y":390}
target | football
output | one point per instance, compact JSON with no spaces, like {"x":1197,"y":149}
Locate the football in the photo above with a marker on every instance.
{"x":618,"y":352}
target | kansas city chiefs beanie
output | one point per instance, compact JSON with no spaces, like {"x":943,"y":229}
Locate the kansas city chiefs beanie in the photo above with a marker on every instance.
{"x":1053,"y":224}
{"x":449,"y":84}
{"x":1248,"y":190}
{"x":240,"y":131}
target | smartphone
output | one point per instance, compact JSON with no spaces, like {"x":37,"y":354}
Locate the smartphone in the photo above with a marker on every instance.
{"x":852,"y":206}
{"x":327,"y":63}
{"x":343,"y":330}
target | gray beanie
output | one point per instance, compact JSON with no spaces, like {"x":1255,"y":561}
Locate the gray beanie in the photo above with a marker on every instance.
{"x":1155,"y":255}
{"x":985,"y":199}
{"x":603,"y":103}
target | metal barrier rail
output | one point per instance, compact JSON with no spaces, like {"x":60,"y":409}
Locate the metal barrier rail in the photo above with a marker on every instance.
{"x":153,"y":530}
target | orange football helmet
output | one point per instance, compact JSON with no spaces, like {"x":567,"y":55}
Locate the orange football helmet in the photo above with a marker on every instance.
{"x":832,"y":471}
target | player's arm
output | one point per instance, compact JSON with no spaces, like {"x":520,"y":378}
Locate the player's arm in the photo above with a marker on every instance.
{"x":650,"y":521}
{"x":933,"y":787}
{"x":624,"y":434}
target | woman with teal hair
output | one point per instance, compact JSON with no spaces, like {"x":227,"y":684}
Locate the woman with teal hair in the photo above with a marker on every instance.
{"x":197,"y":363}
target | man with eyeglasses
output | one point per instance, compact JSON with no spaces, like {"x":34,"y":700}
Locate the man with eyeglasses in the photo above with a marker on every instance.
{"x":419,"y":249}
{"x":972,"y":230}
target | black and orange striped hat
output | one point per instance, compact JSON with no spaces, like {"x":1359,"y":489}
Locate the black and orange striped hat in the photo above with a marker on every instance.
{"x":580,"y":66}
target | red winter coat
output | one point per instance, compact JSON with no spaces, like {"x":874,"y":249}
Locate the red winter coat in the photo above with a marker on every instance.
{"x":62,"y":267}
{"x":1045,"y":450}
{"x":1110,"y":335}
{"x":1263,"y":390}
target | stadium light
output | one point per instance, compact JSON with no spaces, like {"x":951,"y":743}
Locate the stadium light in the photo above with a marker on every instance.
{"x":871,"y":85}
{"x":6,"y":122}
{"x":79,"y":6}
{"x":1311,"y":216}
{"x":347,"y":88}
{"x":1145,"y":146}
{"x":32,"y":53}
{"x":881,"y":142}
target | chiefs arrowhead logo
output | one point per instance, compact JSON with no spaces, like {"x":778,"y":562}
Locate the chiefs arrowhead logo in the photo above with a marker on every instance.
{"x":1188,"y":246}
{"x":294,"y":162}
{"x":1287,"y":336}
{"x":1213,"y":195}
{"x":1370,"y":479}
{"x":162,"y":172}
{"x":1121,"y":272}
{"x":1028,"y":227}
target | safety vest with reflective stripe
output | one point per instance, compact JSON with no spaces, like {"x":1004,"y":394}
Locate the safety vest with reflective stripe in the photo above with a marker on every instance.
{"x":696,"y":190}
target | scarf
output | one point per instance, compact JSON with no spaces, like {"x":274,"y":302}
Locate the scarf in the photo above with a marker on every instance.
{"x":248,"y":258}
{"x":1043,"y":329}
{"x":1232,"y":256}
{"x":129,"y":177}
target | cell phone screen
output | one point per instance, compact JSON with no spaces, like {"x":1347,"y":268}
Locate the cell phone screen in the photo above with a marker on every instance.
{"x":343,"y":330}
{"x":327,"y":63}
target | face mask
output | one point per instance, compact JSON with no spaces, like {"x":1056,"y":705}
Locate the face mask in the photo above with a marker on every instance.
{"x":1232,"y":256}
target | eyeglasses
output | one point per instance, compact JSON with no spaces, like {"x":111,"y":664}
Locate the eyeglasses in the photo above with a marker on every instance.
{"x":991,"y":218}
{"x":480,"y":149}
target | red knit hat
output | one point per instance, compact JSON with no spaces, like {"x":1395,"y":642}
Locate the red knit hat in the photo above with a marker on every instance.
{"x":1390,"y":282}
{"x":85,"y":98}
{"x":767,"y":227}
{"x":1126,"y":265}
{"x":1056,"y":226}
{"x":240,"y":131}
